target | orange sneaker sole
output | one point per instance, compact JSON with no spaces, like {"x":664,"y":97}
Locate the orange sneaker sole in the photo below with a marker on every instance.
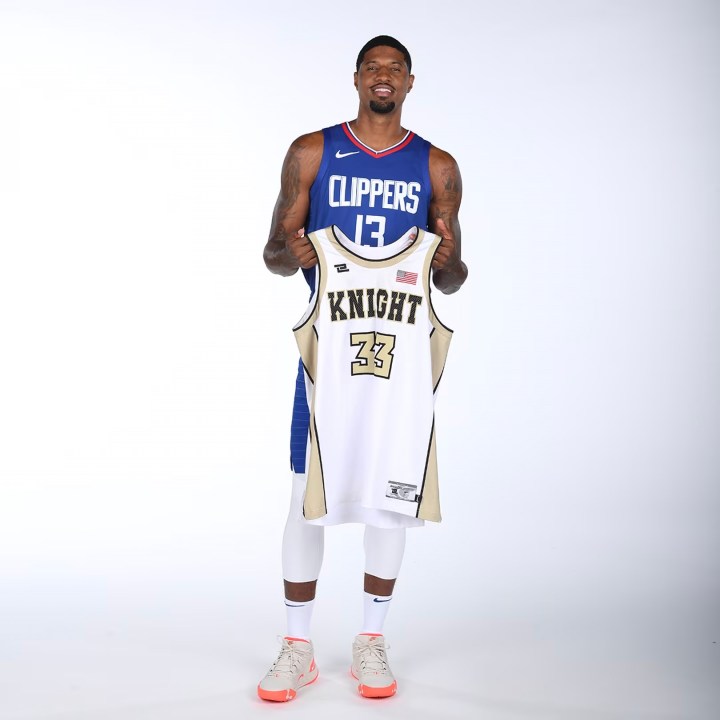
{"x":283,"y":695}
{"x":375,"y":692}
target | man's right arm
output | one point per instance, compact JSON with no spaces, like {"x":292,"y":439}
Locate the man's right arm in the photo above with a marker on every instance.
{"x":287,"y":249}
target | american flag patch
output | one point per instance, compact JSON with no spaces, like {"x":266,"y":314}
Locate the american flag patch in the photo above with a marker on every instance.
{"x":406,"y":277}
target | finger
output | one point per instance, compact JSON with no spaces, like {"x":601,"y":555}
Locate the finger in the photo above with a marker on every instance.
{"x":447,"y":246}
{"x":305,"y":251}
{"x":301,"y":251}
{"x":441,"y":227}
{"x":445,"y":249}
{"x":441,"y":258}
{"x":299,"y":242}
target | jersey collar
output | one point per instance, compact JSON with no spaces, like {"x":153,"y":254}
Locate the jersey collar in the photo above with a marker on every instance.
{"x":376,"y":153}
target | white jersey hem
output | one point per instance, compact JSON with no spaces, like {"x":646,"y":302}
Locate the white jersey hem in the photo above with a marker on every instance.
{"x":353,"y":512}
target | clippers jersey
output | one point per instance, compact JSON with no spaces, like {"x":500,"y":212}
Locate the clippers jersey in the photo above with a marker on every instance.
{"x":374,"y":198}
{"x":373,"y":352}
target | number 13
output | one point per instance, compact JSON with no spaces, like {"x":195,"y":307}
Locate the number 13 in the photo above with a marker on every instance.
{"x":378,"y":234}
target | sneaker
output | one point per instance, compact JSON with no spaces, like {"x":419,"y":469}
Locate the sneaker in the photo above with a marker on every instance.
{"x":294,"y":668}
{"x":370,"y":667}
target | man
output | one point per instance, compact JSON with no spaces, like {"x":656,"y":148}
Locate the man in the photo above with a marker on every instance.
{"x":373,"y":179}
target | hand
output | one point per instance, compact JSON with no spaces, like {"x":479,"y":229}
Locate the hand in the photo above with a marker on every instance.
{"x":446,"y":249}
{"x":301,"y":249}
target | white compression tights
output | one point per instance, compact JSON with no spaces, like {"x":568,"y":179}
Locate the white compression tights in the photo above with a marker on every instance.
{"x":303,"y":545}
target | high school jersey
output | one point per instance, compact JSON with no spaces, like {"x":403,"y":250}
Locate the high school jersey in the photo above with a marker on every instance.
{"x":373,"y":352}
{"x":374,"y":198}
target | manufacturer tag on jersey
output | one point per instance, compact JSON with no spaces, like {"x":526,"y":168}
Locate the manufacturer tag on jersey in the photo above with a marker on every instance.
{"x":401,"y":491}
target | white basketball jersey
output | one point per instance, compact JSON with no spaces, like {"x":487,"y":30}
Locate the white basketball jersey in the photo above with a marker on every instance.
{"x":373,"y":351}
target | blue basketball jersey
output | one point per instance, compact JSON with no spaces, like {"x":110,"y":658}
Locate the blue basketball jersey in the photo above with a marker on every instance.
{"x":374,"y":197}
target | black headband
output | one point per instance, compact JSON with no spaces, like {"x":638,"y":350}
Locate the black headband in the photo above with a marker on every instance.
{"x":385,"y":41}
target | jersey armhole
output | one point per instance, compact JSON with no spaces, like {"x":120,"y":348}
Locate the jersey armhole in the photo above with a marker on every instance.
{"x":322,"y":168}
{"x":426,"y":174}
{"x":435,"y":321}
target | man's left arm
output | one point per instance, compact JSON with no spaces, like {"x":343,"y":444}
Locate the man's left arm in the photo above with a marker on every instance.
{"x":449,"y":271}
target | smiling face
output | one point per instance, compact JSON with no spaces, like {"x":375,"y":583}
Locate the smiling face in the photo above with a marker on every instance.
{"x":383,"y":79}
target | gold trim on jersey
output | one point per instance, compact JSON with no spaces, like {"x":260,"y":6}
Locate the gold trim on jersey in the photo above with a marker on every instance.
{"x":314,"y":503}
{"x":429,"y":507}
{"x":407,"y":243}
{"x":441,"y":334}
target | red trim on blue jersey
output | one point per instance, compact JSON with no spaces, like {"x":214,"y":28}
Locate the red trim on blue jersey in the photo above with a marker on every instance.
{"x":372,"y":153}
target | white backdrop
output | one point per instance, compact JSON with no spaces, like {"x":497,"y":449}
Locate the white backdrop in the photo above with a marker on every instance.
{"x":576,"y":570}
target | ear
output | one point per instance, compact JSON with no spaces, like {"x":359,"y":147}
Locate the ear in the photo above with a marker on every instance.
{"x":411,"y":80}
{"x":355,"y":79}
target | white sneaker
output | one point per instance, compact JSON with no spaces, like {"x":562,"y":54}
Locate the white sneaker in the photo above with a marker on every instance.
{"x":294,"y":668}
{"x":370,"y":667}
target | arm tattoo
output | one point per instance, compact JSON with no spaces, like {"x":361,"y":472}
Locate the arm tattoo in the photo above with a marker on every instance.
{"x":290,"y":180}
{"x":450,"y":185}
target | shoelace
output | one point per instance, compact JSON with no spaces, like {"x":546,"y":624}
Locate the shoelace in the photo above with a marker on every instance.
{"x":372,"y":658}
{"x":289,"y":659}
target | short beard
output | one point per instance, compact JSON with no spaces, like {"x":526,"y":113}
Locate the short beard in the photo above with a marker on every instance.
{"x":382,"y":108}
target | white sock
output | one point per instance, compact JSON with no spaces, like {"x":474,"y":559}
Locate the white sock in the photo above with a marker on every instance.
{"x":375,"y":609}
{"x":299,"y":615}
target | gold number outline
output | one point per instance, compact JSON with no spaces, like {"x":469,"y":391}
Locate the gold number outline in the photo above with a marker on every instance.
{"x":375,"y":356}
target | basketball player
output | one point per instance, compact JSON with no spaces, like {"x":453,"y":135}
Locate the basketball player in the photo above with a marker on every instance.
{"x":374,"y":180}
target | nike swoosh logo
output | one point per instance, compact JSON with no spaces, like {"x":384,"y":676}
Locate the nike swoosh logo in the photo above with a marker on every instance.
{"x":377,"y":600}
{"x":339,"y":154}
{"x":289,"y":605}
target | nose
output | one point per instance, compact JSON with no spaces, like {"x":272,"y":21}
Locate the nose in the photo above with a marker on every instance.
{"x":382,"y":73}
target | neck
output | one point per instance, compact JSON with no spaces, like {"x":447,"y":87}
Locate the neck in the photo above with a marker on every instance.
{"x":378,"y":131}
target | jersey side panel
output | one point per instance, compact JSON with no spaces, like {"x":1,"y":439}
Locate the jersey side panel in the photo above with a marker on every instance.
{"x":314,"y":504}
{"x":441,"y":334}
{"x":440,"y":337}
{"x":304,"y":330}
{"x":429,"y":506}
